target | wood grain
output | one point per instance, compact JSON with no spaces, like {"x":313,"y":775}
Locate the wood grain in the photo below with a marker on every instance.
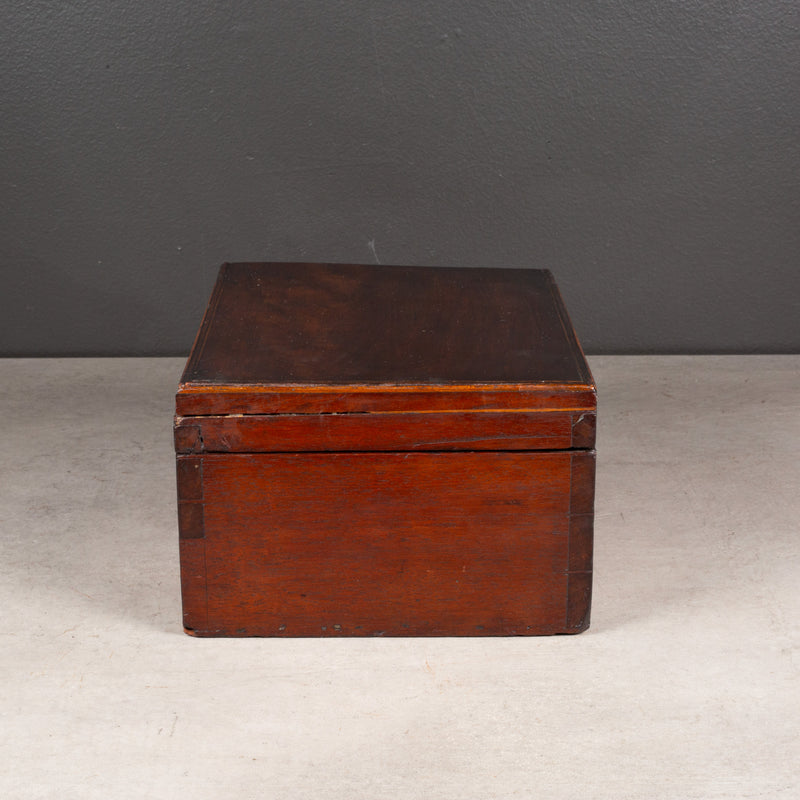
{"x":325,"y":544}
{"x":350,"y":323}
{"x":198,"y":399}
{"x":385,"y":451}
{"x":581,"y":540}
{"x":282,"y":433}
{"x":341,"y":338}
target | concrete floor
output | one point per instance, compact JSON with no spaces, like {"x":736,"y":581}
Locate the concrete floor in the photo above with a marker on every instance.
{"x":686,"y":686}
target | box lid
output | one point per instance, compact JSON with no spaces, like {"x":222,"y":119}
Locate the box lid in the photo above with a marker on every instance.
{"x":290,"y":338}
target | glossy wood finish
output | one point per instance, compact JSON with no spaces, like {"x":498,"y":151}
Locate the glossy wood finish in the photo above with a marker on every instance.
{"x":287,"y":433}
{"x":202,"y":399}
{"x":333,"y":544}
{"x":306,"y":338}
{"x":385,"y":451}
{"x":339,"y":323}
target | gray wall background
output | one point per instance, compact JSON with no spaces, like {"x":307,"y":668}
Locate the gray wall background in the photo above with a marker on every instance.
{"x":646,"y":152}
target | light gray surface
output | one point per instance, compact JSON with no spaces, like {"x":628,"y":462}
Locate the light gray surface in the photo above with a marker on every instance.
{"x":686,"y":686}
{"x":645,"y":152}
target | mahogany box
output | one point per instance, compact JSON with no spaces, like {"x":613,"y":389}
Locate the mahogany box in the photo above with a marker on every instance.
{"x":375,"y":450}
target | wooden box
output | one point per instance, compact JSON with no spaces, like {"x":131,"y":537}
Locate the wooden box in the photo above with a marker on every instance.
{"x":370,"y":450}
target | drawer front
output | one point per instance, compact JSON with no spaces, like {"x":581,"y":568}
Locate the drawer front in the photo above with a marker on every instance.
{"x":431,"y":543}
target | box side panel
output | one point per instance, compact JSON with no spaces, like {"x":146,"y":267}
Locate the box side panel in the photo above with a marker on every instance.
{"x":325,"y":544}
{"x":289,"y":433}
{"x":581,"y":535}
{"x":577,"y":354}
{"x":191,"y":528}
{"x":195,"y":354}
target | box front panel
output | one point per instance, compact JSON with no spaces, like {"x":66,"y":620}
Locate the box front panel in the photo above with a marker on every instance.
{"x":315,"y":544}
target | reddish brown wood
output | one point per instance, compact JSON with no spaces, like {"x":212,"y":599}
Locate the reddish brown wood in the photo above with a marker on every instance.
{"x":386,"y":543}
{"x":329,"y":338}
{"x":390,"y":450}
{"x":190,"y":498}
{"x":192,"y":541}
{"x":193,"y":584}
{"x":187,"y":435}
{"x":584,"y":428}
{"x":306,"y":324}
{"x":288,"y":433}
{"x":581,"y":536}
{"x":206,"y":399}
